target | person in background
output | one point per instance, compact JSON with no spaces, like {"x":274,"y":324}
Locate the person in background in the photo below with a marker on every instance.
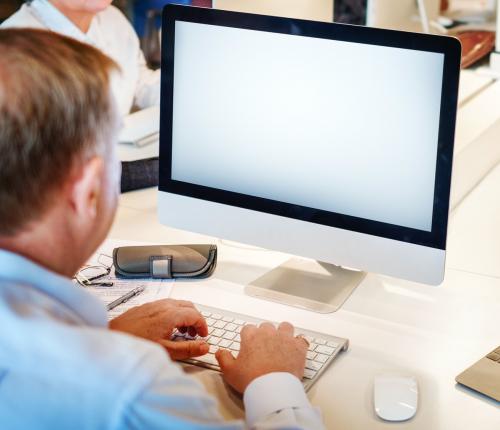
{"x":62,"y":365}
{"x":103,"y":26}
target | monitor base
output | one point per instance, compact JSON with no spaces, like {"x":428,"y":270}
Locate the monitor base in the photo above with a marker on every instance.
{"x":307,"y":284}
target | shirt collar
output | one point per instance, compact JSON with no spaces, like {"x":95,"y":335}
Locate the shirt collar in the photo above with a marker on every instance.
{"x":56,"y":21}
{"x":20,"y":270}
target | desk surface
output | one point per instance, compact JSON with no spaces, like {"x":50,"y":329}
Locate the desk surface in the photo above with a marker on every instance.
{"x":432,"y":333}
{"x":474,"y":230}
{"x":394,"y":326}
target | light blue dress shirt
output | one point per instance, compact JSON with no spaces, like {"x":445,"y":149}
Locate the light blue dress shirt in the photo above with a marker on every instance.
{"x":62,"y":368}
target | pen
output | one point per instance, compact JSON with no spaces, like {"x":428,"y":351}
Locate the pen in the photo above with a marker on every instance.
{"x":125,"y":297}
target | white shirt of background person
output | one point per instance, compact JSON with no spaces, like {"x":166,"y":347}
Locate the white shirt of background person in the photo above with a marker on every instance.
{"x":98,"y":23}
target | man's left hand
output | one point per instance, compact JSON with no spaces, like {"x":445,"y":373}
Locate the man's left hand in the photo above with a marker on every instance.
{"x":157,"y":321}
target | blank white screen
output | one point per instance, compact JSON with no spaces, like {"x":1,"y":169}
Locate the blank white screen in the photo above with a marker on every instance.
{"x":344,"y":127}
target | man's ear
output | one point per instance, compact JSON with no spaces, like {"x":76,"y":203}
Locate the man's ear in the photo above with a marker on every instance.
{"x":86,"y":188}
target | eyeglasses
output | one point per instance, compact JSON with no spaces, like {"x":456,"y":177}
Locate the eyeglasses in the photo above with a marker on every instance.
{"x":88,"y":276}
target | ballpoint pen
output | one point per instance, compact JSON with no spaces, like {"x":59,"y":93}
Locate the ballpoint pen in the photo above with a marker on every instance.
{"x":126,"y":297}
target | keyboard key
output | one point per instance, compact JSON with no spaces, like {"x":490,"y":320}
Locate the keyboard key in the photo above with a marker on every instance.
{"x":311,"y":355}
{"x":309,"y":374}
{"x":208,"y":358}
{"x":227,"y":319}
{"x":235,"y":346}
{"x":218,"y":332}
{"x":210,"y":321}
{"x":237,"y":338}
{"x":312,"y":346}
{"x":320,"y":341}
{"x":324,"y":350}
{"x":213,"y":340}
{"x":239,"y":322}
{"x":321,"y":358}
{"x":229,"y":335}
{"x":220,"y":324}
{"x":216,"y":316}
{"x":332,"y":344}
{"x":224,"y":343}
{"x":210,"y":330}
{"x":213,"y":349}
{"x":309,"y":339}
{"x":231,"y":327}
{"x":313,"y":365}
{"x":206,"y":314}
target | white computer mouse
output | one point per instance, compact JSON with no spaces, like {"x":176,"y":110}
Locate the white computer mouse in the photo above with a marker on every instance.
{"x":395,"y":397}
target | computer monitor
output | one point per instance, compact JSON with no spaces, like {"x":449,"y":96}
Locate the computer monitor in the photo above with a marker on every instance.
{"x":331,"y":142}
{"x":316,"y":10}
{"x":350,"y":11}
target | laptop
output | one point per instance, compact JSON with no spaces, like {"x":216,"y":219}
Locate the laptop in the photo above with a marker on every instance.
{"x":484,"y":375}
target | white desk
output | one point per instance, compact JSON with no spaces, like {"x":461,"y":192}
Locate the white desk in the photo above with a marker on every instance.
{"x":474,"y":232}
{"x":471,"y":84}
{"x":129,"y":152}
{"x":431,"y":332}
{"x":476,"y":148}
{"x":477,"y":115}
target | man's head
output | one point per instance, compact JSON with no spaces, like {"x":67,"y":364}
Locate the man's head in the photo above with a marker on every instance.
{"x":58,"y":169}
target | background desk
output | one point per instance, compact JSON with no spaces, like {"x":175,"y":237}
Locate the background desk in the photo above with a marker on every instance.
{"x":431,"y":332}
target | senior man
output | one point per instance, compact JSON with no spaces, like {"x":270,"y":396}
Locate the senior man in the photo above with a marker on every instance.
{"x":61,"y":365}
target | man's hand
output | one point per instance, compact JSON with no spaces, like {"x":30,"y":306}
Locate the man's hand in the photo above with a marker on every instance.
{"x":263,"y":350}
{"x":157,"y":320}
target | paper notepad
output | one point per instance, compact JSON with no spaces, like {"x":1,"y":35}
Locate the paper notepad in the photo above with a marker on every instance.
{"x":154,"y":289}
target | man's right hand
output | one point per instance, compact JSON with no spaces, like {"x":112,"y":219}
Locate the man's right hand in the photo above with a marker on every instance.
{"x":264,"y":350}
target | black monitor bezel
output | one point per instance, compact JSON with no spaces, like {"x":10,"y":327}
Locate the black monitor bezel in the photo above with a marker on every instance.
{"x":448,"y":46}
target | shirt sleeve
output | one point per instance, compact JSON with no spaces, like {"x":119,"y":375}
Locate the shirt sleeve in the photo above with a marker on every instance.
{"x":148,"y":84}
{"x":173,"y":399}
{"x":278,"y":401}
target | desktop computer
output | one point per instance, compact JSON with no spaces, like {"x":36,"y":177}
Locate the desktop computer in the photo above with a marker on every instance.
{"x":330,"y":142}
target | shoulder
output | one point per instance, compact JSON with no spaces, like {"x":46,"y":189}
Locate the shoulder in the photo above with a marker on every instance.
{"x":22,"y":18}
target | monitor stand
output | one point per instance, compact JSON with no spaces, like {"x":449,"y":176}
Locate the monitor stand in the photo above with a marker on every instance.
{"x":307,"y":284}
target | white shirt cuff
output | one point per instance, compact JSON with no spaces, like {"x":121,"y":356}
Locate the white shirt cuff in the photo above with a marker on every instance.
{"x":272,"y":393}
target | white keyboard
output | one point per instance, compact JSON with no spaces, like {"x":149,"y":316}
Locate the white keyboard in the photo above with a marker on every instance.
{"x":224,"y":332}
